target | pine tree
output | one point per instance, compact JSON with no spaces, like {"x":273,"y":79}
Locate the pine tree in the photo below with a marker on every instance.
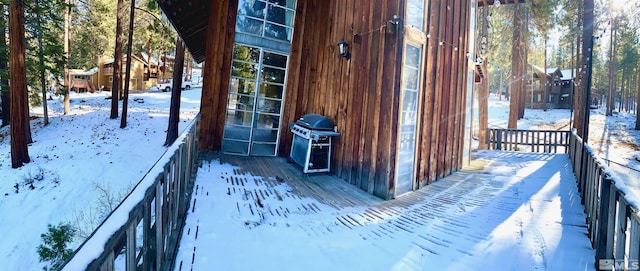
{"x":94,"y":32}
{"x":67,"y":38}
{"x":4,"y":72}
{"x":125,"y":98}
{"x":45,"y":54}
{"x":55,"y":245}
{"x":18,"y":75}
{"x":518,"y":51}
{"x":117,"y":61}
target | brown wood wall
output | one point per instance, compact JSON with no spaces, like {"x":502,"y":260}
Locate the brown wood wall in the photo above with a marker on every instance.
{"x":217,"y":71}
{"x":361,"y":95}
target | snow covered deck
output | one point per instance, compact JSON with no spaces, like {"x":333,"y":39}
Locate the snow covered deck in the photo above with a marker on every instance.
{"x":508,"y":211}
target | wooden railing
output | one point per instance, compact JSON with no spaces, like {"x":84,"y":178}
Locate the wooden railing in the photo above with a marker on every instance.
{"x":143,"y":232}
{"x":548,"y":141}
{"x":107,"y":71}
{"x":612,"y":216}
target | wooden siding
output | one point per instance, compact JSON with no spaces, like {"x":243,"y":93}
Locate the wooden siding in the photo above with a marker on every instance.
{"x":217,"y":71}
{"x":361,"y":95}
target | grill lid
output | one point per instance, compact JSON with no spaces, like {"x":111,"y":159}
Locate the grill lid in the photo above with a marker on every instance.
{"x":315,"y":122}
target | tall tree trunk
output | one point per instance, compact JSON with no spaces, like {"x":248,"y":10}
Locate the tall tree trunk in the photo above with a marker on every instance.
{"x":523,"y":90}
{"x":501,"y":88}
{"x":4,"y":81}
{"x":572,"y":84}
{"x":125,"y":98}
{"x":578,"y":92}
{"x":27,"y":118}
{"x":148,"y":70}
{"x":67,"y":80}
{"x":483,"y":94}
{"x":612,"y":70}
{"x":18,"y":75}
{"x":117,"y":61}
{"x":524,"y":53}
{"x":625,"y":92}
{"x":587,"y":58}
{"x":174,"y":109}
{"x":188,"y":68}
{"x":548,"y":83}
{"x":42,"y":78}
{"x":164,"y":65}
{"x":638,"y":102}
{"x":515,"y":82}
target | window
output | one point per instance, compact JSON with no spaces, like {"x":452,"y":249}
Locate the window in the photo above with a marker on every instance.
{"x":271,"y":19}
{"x":415,"y":14}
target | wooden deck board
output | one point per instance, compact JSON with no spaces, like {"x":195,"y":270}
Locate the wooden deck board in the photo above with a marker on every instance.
{"x":457,"y":216}
{"x":324,"y":187}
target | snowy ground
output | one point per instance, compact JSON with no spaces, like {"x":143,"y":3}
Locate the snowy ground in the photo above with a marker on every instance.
{"x":522,"y":212}
{"x":82,"y":165}
{"x":613,"y":137}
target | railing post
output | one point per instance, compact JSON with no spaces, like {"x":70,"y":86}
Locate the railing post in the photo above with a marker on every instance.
{"x":146,"y":235}
{"x":634,"y":232}
{"x":603,"y":240}
{"x":621,"y":229}
{"x":499,"y":139}
{"x":130,"y":249}
{"x":578,"y":163}
{"x":159,"y":225}
{"x":107,"y":265}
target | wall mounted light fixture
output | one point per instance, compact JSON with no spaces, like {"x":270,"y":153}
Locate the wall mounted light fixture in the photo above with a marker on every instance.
{"x":343,"y":49}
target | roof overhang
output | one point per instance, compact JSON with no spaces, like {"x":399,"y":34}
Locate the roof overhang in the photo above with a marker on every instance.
{"x":190,"y":18}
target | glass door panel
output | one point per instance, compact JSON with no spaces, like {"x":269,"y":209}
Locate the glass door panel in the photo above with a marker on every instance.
{"x":405,"y":167}
{"x":255,"y":101}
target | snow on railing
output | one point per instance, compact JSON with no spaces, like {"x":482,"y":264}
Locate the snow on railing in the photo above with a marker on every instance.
{"x":142,"y":233}
{"x":548,"y":141}
{"x":611,"y":208}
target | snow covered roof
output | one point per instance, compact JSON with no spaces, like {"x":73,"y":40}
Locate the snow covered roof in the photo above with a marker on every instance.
{"x":549,"y":71}
{"x":81,"y":72}
{"x":567,"y":74}
{"x":145,"y":56}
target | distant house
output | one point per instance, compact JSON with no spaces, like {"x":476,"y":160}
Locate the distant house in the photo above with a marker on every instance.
{"x":552,"y":86}
{"x":159,"y":68}
{"x":139,"y":80}
{"x":83,"y":81}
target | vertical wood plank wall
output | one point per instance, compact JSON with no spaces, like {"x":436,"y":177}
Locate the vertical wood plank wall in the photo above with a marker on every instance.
{"x":217,"y":71}
{"x":362,"y":95}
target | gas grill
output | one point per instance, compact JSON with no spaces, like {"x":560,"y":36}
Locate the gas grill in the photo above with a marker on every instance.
{"x":311,"y":146}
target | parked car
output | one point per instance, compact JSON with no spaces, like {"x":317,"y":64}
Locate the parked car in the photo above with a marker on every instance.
{"x":166,"y":85}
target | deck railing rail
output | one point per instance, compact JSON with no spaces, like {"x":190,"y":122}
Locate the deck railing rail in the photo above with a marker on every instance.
{"x":612,"y":216}
{"x":548,"y":141}
{"x":143,"y":232}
